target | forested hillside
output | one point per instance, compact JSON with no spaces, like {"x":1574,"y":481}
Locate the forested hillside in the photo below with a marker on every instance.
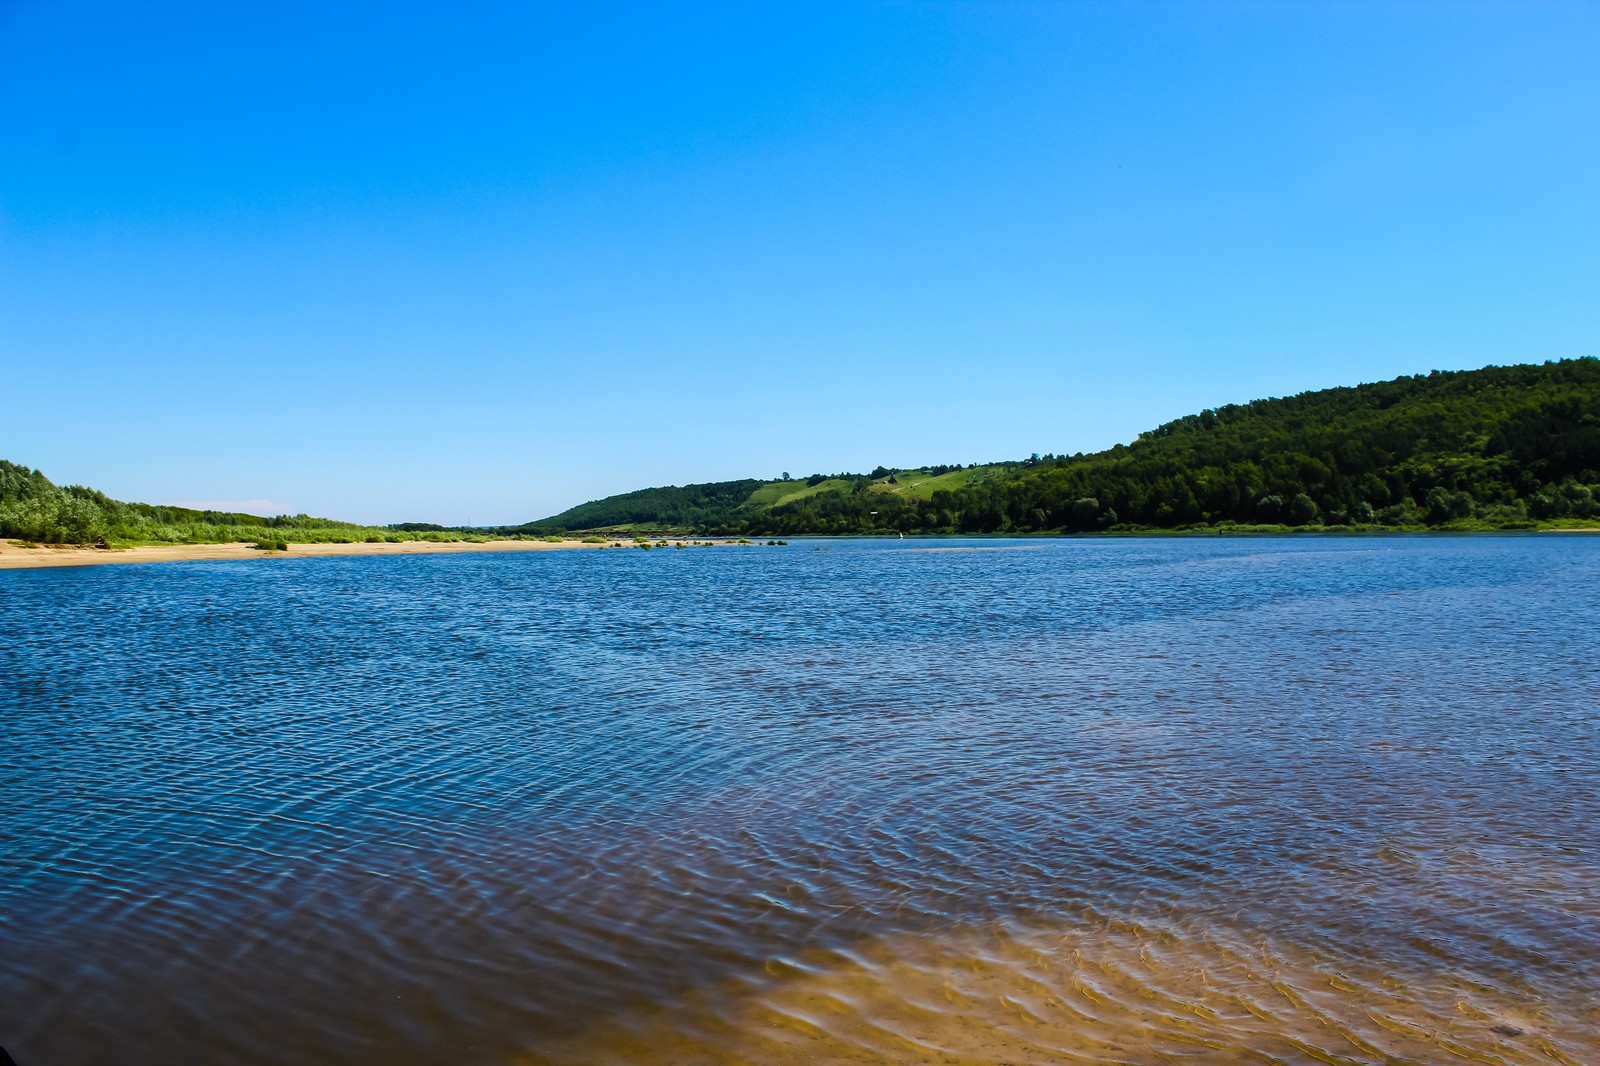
{"x":34,"y":510}
{"x":689,"y":506}
{"x":1499,"y":448}
{"x":1513,"y":447}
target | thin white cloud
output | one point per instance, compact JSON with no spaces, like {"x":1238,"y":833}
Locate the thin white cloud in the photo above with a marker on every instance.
{"x":258,"y":507}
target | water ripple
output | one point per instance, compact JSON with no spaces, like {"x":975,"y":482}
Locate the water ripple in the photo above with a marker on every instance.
{"x":1098,"y":801}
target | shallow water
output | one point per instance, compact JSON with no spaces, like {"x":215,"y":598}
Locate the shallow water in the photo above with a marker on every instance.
{"x":1194,"y":800}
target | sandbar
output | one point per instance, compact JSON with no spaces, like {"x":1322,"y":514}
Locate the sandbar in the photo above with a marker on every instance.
{"x":13,"y":556}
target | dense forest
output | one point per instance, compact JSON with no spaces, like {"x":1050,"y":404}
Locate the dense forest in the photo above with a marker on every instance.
{"x":687,"y":506}
{"x":36,"y":511}
{"x":1512,"y":447}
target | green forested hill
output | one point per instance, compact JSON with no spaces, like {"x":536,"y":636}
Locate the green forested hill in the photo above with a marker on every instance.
{"x":35,"y":510}
{"x":689,"y":506}
{"x":1499,"y":448}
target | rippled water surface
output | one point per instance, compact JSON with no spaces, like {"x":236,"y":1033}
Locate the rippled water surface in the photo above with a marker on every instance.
{"x":1113,"y":801}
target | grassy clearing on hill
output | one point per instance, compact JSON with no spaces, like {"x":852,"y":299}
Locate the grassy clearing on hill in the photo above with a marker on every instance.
{"x":919,"y":485}
{"x":778,"y":493}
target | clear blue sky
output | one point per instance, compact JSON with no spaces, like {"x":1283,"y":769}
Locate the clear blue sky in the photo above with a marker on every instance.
{"x":481,"y":262}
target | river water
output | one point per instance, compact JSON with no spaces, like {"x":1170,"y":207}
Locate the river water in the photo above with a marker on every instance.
{"x":1198,"y":800}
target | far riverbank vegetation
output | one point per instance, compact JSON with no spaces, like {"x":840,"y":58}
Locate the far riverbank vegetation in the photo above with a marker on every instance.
{"x":34,"y":510}
{"x":1502,"y":448}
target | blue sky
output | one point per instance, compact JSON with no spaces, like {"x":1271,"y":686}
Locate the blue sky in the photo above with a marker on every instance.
{"x":482,"y":262}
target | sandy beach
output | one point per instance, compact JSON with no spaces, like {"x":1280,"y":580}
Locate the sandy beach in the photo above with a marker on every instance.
{"x":13,"y":556}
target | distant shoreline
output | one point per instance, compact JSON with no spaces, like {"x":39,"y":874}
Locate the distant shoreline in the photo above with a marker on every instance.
{"x":14,"y":557}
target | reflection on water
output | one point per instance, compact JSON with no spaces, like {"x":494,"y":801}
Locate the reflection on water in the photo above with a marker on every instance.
{"x":1133,"y":801}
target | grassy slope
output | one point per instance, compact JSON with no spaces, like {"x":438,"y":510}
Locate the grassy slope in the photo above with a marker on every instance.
{"x":778,"y":493}
{"x":916,"y":485}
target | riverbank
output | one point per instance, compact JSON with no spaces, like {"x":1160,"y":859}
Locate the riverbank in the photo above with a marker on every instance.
{"x":13,"y":556}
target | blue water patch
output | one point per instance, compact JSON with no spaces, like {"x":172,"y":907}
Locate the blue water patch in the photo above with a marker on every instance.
{"x":438,"y":808}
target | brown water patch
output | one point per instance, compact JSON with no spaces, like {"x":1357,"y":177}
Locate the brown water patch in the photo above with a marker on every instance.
{"x":1114,"y":992}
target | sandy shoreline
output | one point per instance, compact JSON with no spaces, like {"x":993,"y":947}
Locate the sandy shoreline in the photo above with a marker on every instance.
{"x":14,"y":557}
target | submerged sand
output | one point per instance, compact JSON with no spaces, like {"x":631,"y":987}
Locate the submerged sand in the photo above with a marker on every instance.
{"x":1181,"y":990}
{"x":14,"y":556}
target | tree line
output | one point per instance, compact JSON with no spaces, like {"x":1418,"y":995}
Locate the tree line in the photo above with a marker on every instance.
{"x":1498,"y":448}
{"x":35,"y":510}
